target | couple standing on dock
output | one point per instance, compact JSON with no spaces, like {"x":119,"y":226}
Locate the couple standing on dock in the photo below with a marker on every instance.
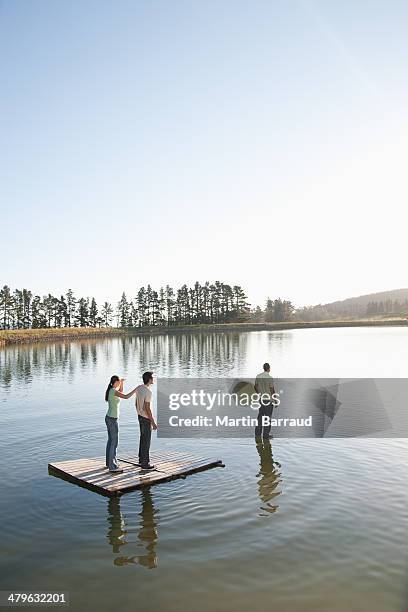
{"x":114,"y":393}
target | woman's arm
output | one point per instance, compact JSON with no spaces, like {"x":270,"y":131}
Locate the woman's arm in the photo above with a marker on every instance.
{"x":125,"y":395}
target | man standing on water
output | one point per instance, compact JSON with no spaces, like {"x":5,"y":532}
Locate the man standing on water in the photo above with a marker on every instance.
{"x":264,"y":386}
{"x":146,"y":420}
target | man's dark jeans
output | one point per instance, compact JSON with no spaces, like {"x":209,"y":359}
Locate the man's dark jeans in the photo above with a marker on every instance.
{"x":144,"y":444}
{"x":264,"y":430}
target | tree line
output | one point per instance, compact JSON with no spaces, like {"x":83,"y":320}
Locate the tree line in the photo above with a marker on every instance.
{"x":352,"y":309}
{"x":202,"y":303}
{"x":387,"y":307}
{"x":208,"y":303}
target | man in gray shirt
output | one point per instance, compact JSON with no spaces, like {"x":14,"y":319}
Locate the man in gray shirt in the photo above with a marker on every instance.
{"x":264,"y":386}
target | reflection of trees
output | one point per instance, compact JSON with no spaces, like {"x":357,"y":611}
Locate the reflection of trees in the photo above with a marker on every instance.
{"x":23,"y":363}
{"x":94,"y":353}
{"x":118,"y":532}
{"x":268,"y":478}
{"x":125,"y":351}
{"x":84,"y":355}
{"x":191,"y":353}
{"x":168,"y":354}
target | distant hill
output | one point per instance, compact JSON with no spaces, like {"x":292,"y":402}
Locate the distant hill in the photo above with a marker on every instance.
{"x":393,"y":302}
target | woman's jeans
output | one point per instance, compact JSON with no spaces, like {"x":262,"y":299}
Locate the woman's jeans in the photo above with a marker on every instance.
{"x":112,"y":444}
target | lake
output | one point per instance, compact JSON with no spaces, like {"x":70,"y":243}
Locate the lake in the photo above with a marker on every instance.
{"x":297,"y":525}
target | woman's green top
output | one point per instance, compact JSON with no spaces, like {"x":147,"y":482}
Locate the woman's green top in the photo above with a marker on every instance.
{"x":113,"y":401}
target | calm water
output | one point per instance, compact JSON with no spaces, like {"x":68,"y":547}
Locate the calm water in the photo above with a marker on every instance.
{"x":299,"y":525}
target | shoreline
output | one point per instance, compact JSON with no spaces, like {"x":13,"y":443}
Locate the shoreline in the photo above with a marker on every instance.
{"x":32,"y":336}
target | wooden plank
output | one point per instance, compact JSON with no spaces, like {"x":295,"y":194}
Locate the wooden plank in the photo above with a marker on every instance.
{"x":164,"y":456}
{"x":92,"y":474}
{"x":55,"y":471}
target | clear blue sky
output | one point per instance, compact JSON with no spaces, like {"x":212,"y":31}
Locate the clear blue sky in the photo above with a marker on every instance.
{"x":262,"y":143}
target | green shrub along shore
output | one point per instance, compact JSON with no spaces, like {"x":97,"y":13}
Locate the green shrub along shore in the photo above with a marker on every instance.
{"x":25,"y":336}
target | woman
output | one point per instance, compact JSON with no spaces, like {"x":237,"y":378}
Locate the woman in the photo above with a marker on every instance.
{"x":114,"y":393}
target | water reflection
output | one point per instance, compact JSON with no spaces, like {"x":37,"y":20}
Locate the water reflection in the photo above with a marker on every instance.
{"x":197,"y":354}
{"x":119,"y":533}
{"x":268,"y":478}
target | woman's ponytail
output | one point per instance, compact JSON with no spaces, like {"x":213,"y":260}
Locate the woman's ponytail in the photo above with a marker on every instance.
{"x":110,"y":386}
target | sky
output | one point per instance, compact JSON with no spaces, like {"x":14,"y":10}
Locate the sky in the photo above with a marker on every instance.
{"x":260,"y":143}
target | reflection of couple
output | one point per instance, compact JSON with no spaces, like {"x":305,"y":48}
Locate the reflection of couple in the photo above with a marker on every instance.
{"x":143,"y":399}
{"x":147,"y":534}
{"x":268,"y":478}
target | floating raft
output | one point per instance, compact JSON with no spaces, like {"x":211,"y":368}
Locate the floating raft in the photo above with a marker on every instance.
{"x":92,"y":473}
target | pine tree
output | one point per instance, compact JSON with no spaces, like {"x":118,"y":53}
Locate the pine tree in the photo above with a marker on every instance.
{"x":6,"y":305}
{"x":141,"y":306}
{"x":240,"y":301}
{"x":161,"y":318}
{"x":123,"y":311}
{"x":18,"y":309}
{"x":82,"y":315}
{"x":149,"y":304}
{"x":169,"y":305}
{"x":106,"y":314}
{"x":134,"y":315}
{"x":71,"y":304}
{"x":61,"y":314}
{"x":48,"y":306}
{"x":38,"y":320}
{"x":155,"y":309}
{"x":26,"y":298}
{"x":93,"y":313}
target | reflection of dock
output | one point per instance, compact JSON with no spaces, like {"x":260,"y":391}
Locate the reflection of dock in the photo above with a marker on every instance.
{"x":92,"y":474}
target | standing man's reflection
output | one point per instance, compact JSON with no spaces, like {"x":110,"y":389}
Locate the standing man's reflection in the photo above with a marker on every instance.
{"x":148,"y":530}
{"x":147,"y":534}
{"x":268,"y":477}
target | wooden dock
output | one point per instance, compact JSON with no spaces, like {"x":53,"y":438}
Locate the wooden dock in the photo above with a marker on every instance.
{"x":92,"y":473}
